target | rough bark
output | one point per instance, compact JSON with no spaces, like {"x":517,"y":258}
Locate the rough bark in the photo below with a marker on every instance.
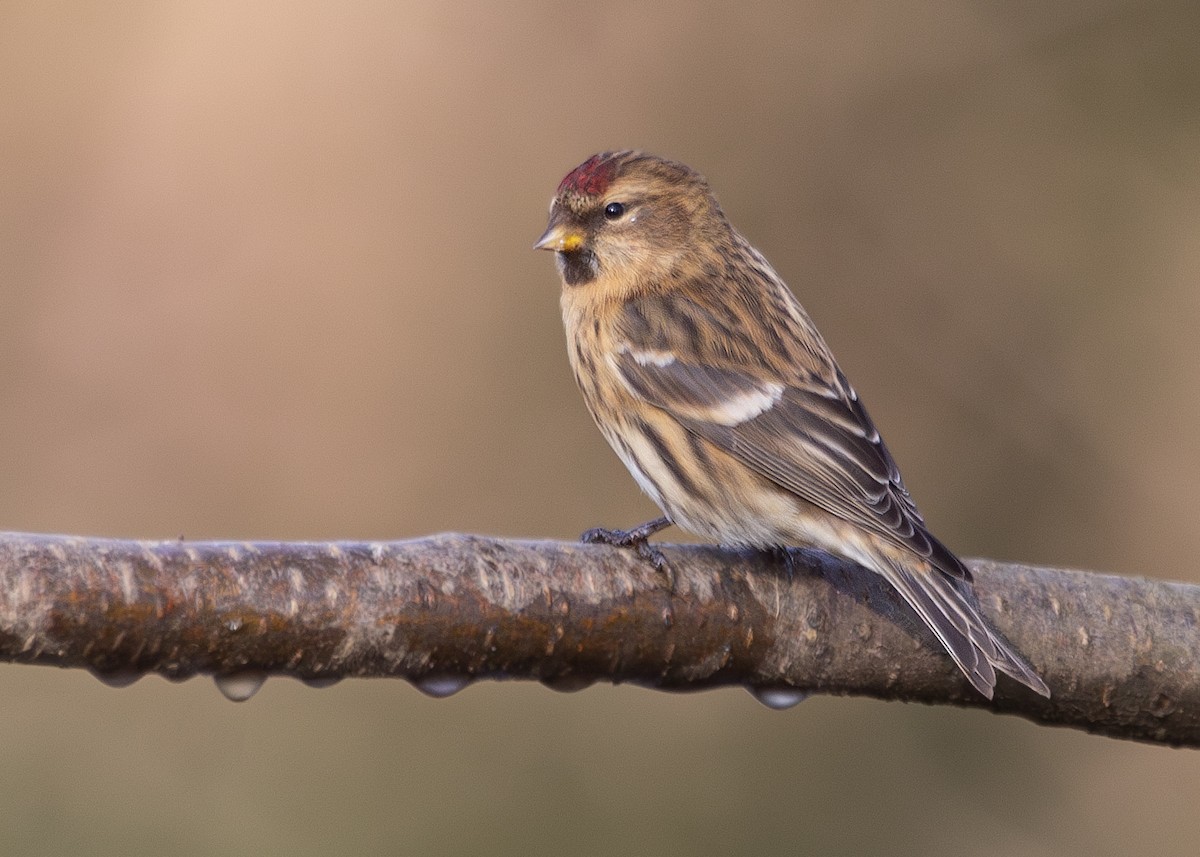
{"x":1120,"y":654}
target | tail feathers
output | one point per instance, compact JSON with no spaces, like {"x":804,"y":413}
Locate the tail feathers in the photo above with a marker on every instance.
{"x":960,"y":627}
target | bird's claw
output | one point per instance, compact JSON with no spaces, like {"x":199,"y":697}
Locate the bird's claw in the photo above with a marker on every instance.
{"x":635,"y":539}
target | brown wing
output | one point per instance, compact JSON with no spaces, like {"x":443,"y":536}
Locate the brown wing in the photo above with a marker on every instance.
{"x":809,"y":437}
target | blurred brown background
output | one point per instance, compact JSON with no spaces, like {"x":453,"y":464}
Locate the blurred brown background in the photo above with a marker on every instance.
{"x":265,"y":273}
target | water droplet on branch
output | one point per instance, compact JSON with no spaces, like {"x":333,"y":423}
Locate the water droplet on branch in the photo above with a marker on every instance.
{"x":240,"y":686}
{"x":441,"y":686}
{"x":779,"y":697}
{"x":118,"y":677}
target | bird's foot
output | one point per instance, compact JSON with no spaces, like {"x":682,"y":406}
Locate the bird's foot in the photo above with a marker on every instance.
{"x":782,"y":555}
{"x":636,"y":538}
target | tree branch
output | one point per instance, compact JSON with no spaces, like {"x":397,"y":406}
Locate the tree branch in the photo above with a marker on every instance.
{"x":1120,"y":654}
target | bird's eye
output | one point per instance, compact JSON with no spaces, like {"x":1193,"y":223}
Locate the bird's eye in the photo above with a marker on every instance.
{"x":614,"y":210}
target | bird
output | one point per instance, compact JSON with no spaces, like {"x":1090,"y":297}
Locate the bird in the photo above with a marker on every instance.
{"x":715,"y":389}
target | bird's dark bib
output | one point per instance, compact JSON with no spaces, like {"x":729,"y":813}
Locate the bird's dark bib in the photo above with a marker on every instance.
{"x":578,"y":268}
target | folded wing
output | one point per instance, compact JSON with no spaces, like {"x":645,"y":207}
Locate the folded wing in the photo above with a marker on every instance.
{"x":808,"y":436}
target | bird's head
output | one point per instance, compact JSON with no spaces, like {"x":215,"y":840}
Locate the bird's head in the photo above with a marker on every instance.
{"x":624,"y":220}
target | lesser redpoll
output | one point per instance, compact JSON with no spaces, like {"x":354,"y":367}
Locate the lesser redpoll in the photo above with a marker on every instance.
{"x":713,"y":386}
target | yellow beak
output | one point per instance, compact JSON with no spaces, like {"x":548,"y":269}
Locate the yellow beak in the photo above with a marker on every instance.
{"x":561,"y":238}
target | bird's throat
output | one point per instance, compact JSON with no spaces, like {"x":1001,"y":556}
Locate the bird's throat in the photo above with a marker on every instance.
{"x":578,"y":268}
